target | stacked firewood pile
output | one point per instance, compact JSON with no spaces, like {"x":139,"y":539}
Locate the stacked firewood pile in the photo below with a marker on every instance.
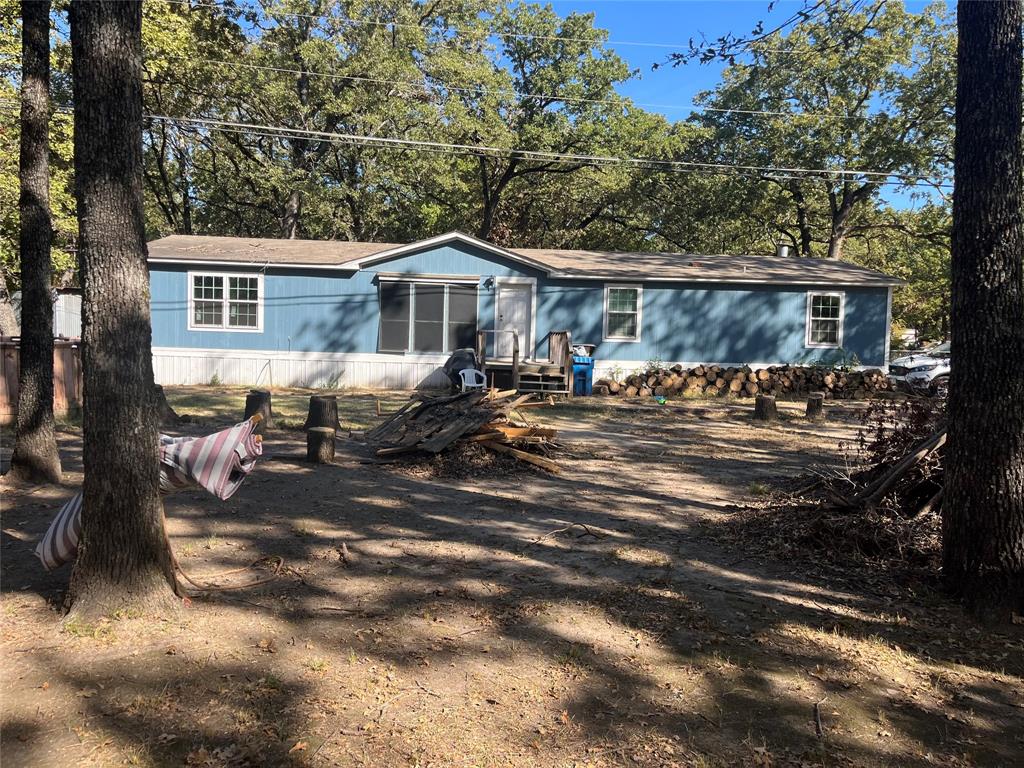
{"x":747,"y":382}
{"x":492,"y":420}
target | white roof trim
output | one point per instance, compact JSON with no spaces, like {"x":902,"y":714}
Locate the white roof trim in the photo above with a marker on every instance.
{"x":867,"y":283}
{"x":449,"y":237}
{"x":260,"y":265}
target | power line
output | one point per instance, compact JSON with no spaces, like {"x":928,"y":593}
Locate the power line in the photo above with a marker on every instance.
{"x":882,"y":178}
{"x":467,"y":88}
{"x":537,"y":155}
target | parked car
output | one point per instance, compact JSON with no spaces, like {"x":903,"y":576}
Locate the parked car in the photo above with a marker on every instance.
{"x":925,"y":372}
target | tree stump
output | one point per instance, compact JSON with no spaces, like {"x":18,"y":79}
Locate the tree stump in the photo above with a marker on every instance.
{"x":258,"y":401}
{"x":816,"y":406}
{"x":764,"y":408}
{"x":323,"y":412}
{"x":164,"y":411}
{"x":320,"y":445}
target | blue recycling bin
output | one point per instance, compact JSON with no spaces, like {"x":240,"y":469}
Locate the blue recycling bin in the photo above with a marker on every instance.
{"x":582,"y":375}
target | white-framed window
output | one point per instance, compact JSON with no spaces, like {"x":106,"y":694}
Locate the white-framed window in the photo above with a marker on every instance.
{"x":623,"y":312}
{"x":427,"y":317}
{"x":825,"y":319}
{"x":225,"y":301}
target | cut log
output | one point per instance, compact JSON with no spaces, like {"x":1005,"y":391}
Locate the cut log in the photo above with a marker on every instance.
{"x":320,"y":445}
{"x":751,"y":387}
{"x":258,"y":401}
{"x":735,"y":385}
{"x":816,"y":406}
{"x":764,"y":408}
{"x":323,"y":412}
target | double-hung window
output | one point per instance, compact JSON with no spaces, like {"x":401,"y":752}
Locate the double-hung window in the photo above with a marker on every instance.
{"x":623,"y":311}
{"x":231,"y":302}
{"x":427,"y":317}
{"x":825,"y":319}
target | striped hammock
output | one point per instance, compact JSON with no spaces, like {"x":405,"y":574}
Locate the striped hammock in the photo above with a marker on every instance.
{"x":218,"y":463}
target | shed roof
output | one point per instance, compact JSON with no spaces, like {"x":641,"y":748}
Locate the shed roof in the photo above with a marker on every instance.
{"x":558,"y":263}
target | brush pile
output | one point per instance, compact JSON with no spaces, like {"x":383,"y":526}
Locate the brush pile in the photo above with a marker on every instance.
{"x":490,"y":420}
{"x":746,"y":382}
{"x":884,"y":508}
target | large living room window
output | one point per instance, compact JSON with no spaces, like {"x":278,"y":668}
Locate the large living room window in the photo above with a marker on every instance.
{"x":426,"y":317}
{"x":225,"y":302}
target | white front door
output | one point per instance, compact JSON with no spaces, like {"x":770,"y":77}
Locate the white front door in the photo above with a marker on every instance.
{"x":513,"y":310}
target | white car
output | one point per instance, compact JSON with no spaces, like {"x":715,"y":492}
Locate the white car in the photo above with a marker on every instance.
{"x":925,"y":372}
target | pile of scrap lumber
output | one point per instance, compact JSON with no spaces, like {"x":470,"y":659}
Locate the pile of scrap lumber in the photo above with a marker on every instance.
{"x":491,"y":419}
{"x":747,"y":382}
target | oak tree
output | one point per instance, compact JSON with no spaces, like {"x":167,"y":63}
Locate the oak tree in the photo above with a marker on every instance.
{"x":124,"y":556}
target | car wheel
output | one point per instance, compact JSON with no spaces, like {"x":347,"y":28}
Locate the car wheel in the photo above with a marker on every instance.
{"x":940,"y":387}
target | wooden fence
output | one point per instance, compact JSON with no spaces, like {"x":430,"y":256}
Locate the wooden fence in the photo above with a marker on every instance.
{"x":67,"y":376}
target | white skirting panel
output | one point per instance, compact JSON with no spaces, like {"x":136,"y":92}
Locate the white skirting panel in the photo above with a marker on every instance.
{"x":179,"y":365}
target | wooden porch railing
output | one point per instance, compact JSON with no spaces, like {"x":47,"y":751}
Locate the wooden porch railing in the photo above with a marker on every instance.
{"x":481,"y":352}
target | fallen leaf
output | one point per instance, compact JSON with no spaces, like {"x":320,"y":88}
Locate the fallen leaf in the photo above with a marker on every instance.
{"x":299,"y":746}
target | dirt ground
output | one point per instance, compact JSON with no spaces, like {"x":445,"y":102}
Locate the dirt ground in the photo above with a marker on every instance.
{"x":475,"y":624}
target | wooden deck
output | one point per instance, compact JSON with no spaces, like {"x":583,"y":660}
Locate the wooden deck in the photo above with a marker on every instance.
{"x":549,"y":377}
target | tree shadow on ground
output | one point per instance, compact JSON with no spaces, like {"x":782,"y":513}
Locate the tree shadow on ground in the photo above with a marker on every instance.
{"x":467,"y":628}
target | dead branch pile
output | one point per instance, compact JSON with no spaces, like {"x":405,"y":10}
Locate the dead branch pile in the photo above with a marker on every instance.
{"x":886,"y":508}
{"x":492,"y":420}
{"x":747,"y":382}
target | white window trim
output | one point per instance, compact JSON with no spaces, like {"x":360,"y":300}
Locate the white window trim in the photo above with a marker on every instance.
{"x":639,"y":311}
{"x":807,"y":320}
{"x":411,"y":280}
{"x":224,"y":328}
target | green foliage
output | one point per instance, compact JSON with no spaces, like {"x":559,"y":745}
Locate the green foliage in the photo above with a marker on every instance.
{"x":522,"y":77}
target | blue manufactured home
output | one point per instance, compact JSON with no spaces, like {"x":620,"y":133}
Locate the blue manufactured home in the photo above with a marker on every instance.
{"x":331,"y":313}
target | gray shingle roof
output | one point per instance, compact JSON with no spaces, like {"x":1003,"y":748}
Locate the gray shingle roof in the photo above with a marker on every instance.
{"x":578,"y":264}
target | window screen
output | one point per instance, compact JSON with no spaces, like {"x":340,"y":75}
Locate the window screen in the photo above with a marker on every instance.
{"x":427,"y":317}
{"x":461,"y":316}
{"x":428,"y":331}
{"x":824,"y":320}
{"x":623,"y":313}
{"x":395,"y":303}
{"x":226,"y":301}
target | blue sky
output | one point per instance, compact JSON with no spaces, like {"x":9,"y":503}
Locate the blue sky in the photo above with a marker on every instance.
{"x":674,"y":22}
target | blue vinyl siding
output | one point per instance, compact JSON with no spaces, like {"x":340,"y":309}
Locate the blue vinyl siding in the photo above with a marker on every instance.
{"x":328,"y":311}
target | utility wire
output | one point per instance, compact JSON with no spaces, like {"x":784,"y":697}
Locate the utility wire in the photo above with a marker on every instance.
{"x":466,"y":88}
{"x":285,"y":132}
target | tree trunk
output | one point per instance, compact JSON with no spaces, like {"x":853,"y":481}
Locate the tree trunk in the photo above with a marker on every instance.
{"x":123,"y":557}
{"x":320,"y":445}
{"x":8,"y":320}
{"x":765,"y":408}
{"x":983,"y":507}
{"x":816,"y":406}
{"x":292,"y":214}
{"x":35,"y":455}
{"x":323,"y":412}
{"x":258,"y":401}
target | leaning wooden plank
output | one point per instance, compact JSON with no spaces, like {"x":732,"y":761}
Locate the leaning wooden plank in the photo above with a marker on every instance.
{"x":390,"y":421}
{"x":396,"y":449}
{"x":470,"y":422}
{"x":530,"y":458}
{"x":484,"y":436}
{"x":494,"y":394}
{"x":517,"y":432}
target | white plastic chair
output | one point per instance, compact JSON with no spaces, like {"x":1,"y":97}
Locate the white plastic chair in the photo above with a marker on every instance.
{"x":472,"y":379}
